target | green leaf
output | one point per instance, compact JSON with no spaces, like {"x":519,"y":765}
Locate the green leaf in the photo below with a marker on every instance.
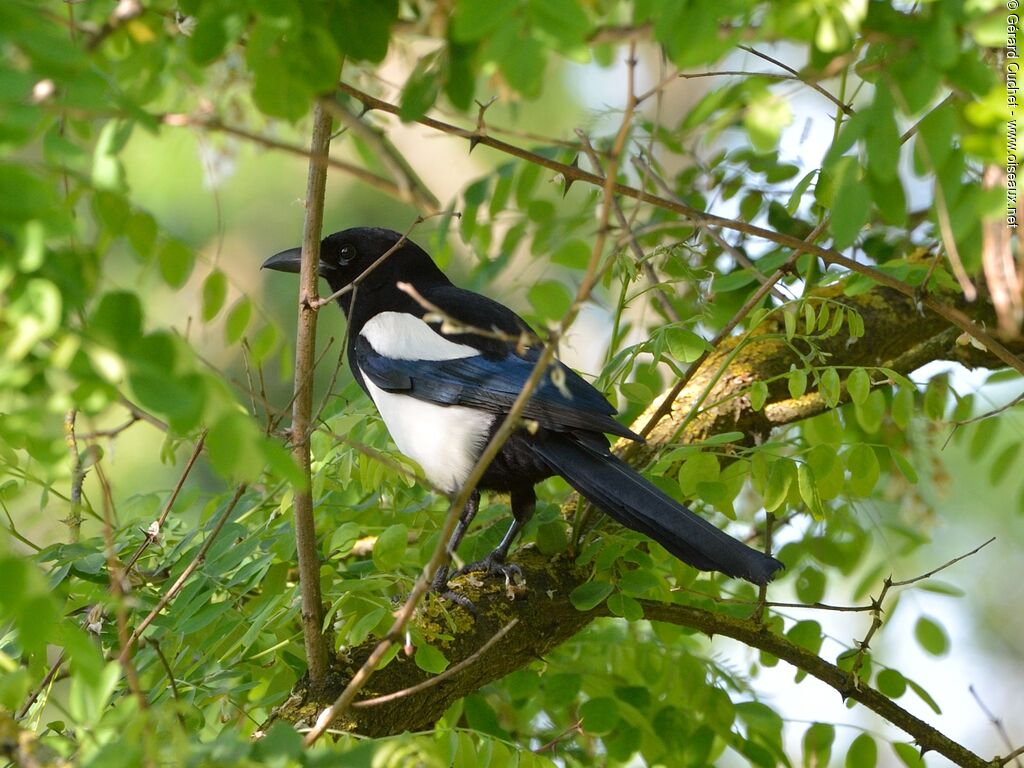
{"x":431,"y":660}
{"x":810,"y":585}
{"x":238,"y":320}
{"x":789,"y":319}
{"x":550,"y":299}
{"x":758,"y":395}
{"x":684,"y":345}
{"x":864,"y":469}
{"x":936,"y":398}
{"x":1002,"y":463}
{"x":636,"y":392}
{"x":141,"y":232}
{"x":924,"y":696}
{"x":588,"y":596}
{"x":625,"y":606}
{"x":564,"y":20}
{"x":764,"y":119}
{"x":863,"y":752}
{"x":796,"y":196}
{"x":852,"y":203}
{"x":574,"y":254}
{"x":176,"y":261}
{"x":934,"y":140}
{"x":420,"y":90}
{"x":797,"y":383}
{"x":817,"y":745}
{"x":281,"y":740}
{"x":882,"y":137}
{"x":701,"y":467}
{"x":828,"y":386}
{"x":118,"y":319}
{"x":215,"y":291}
{"x":233,"y":446}
{"x":521,"y":58}
{"x":389,"y":549}
{"x":903,"y":406}
{"x":858,"y":384}
{"x":780,"y":478}
{"x":107,"y":171}
{"x":869,"y":413}
{"x":931,"y":636}
{"x":344,"y":537}
{"x":809,"y":490}
{"x":362,"y":30}
{"x":475,"y":19}
{"x":904,"y":466}
{"x":891,"y":683}
{"x":806,"y":634}
{"x":983,"y":438}
{"x":908,"y":754}
{"x":263,"y":343}
{"x":809,"y":318}
{"x":600,"y":715}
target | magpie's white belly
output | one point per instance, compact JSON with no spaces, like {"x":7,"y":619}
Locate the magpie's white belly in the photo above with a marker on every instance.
{"x":445,"y":440}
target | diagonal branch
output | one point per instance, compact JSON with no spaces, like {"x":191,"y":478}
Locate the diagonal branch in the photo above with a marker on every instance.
{"x":830,"y":256}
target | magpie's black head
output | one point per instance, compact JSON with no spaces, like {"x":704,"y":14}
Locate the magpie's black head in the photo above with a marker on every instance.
{"x":346,"y":255}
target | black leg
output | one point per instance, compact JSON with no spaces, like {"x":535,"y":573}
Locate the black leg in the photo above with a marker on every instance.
{"x":523,"y":503}
{"x":440,"y":583}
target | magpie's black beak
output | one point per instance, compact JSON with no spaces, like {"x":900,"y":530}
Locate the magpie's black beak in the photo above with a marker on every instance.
{"x":285,"y":261}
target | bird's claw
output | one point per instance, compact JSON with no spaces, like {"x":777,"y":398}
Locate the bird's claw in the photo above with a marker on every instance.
{"x":496,"y":566}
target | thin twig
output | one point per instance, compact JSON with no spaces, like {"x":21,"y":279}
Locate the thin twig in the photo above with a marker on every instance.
{"x":944,"y":566}
{"x":116,"y":574}
{"x":153,"y":531}
{"x":410,"y":185}
{"x":142,"y":414}
{"x":641,"y":259}
{"x":452,"y":670}
{"x":876,"y":605}
{"x":386,"y":186}
{"x":981,"y":417}
{"x":843,"y":106}
{"x":112,"y":431}
{"x":451,"y":325}
{"x":996,"y":722}
{"x":1012,"y":756}
{"x":576,"y":727}
{"x":175,"y":588}
{"x":74,"y":519}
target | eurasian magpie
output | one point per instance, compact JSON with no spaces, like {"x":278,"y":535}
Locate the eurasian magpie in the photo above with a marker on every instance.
{"x":442,"y":380}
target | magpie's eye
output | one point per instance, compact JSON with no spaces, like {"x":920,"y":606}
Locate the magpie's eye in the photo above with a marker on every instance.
{"x":346,"y":254}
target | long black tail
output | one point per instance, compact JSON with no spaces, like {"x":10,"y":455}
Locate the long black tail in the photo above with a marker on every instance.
{"x":624,"y":494}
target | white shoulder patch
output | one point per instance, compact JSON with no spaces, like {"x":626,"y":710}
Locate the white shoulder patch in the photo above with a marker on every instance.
{"x":402,"y":336}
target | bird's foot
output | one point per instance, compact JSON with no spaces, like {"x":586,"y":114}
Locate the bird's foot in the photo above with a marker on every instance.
{"x":494,"y":565}
{"x":439,"y":586}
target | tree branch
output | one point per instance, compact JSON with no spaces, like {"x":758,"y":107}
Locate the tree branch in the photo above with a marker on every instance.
{"x":757,"y":636}
{"x":829,"y":256}
{"x":302,"y":405}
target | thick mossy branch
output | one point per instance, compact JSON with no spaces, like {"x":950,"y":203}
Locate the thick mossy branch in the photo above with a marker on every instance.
{"x":546,"y":619}
{"x":897,"y":335}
